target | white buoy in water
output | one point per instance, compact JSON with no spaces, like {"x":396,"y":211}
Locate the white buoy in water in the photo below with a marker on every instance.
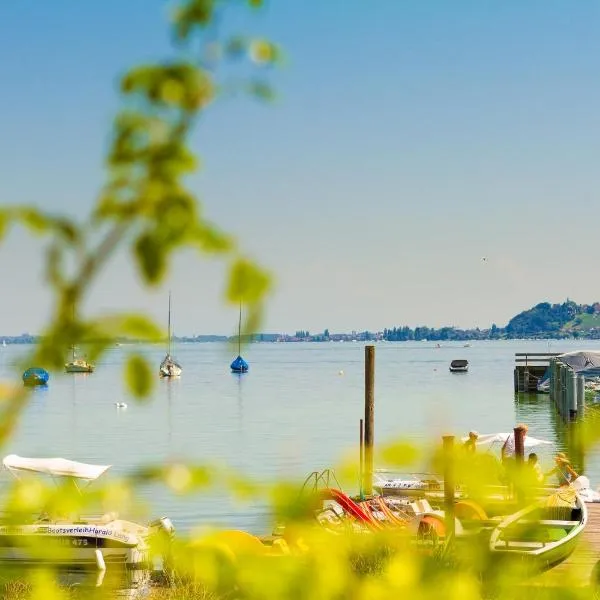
{"x":341,"y":372}
{"x":120,"y":405}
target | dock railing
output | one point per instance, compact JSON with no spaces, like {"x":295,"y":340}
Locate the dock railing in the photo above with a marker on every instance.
{"x":530,"y":368}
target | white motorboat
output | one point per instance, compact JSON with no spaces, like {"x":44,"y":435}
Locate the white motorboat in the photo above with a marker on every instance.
{"x":459,"y":366}
{"x":78,"y":541}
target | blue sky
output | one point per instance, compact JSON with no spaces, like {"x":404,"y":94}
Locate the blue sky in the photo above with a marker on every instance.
{"x":409,"y":140}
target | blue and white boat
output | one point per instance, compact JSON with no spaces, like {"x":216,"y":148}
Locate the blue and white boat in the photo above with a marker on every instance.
{"x":36,"y":376}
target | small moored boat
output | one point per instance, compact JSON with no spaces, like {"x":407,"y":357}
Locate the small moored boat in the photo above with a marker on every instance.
{"x":78,"y":365}
{"x":459,"y":366}
{"x":239,"y":365}
{"x":169,"y":367}
{"x":35,"y":376}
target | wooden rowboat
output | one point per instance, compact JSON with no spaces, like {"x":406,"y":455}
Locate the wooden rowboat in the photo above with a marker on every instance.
{"x":543,"y":534}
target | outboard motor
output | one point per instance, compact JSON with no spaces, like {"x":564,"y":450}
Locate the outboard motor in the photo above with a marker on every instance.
{"x":162,"y":532}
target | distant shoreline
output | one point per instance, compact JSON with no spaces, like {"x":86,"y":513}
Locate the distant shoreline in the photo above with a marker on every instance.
{"x":544,"y":321}
{"x":285,"y":339}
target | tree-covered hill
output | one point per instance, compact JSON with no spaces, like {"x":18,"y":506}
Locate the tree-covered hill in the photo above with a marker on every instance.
{"x":544,"y":320}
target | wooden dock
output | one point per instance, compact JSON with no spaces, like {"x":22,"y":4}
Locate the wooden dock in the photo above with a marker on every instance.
{"x":530,"y":368}
{"x":580,"y":569}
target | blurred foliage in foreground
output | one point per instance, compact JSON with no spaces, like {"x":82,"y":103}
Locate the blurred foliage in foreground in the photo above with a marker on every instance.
{"x":312,"y":555}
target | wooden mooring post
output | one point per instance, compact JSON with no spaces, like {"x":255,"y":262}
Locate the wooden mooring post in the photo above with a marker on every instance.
{"x":361,"y":464}
{"x":369,"y":419}
{"x":448,"y":448}
{"x":519,"y":435}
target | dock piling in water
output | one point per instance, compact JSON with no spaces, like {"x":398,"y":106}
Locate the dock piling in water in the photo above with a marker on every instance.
{"x":581,"y":396}
{"x":573,"y":400}
{"x":369,"y":418}
{"x":448,"y":447}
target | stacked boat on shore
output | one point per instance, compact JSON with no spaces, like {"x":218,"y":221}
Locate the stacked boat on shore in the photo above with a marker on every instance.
{"x":75,"y":540}
{"x":535,"y":532}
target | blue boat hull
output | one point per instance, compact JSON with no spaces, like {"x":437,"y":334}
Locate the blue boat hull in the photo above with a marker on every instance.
{"x":239,"y":365}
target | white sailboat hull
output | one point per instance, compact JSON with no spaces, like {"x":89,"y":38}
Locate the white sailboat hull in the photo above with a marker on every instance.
{"x":169,"y":368}
{"x":78,"y":368}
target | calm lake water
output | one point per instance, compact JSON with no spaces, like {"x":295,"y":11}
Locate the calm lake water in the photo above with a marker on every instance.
{"x":296,"y":411}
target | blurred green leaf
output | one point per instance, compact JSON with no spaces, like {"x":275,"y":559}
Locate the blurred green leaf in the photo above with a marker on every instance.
{"x":210,"y":239}
{"x":131,"y":325}
{"x":151,"y":260}
{"x":400,"y":454}
{"x":34,"y":220}
{"x":261,"y":90}
{"x":247,"y":282}
{"x":190,"y":15}
{"x":4,"y":222}
{"x":138,"y":375}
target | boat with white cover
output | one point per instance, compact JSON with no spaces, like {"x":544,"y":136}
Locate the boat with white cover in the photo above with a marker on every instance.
{"x":75,"y":541}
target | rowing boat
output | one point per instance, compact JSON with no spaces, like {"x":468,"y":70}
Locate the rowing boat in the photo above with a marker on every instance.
{"x":543,"y":534}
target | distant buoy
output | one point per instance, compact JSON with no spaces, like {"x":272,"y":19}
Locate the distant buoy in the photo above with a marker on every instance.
{"x":341,"y":373}
{"x":120,"y":405}
{"x":435,"y":369}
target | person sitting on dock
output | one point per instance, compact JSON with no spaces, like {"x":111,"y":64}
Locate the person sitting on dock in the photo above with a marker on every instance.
{"x":469,"y":445}
{"x":563,"y":470}
{"x":533,"y":465}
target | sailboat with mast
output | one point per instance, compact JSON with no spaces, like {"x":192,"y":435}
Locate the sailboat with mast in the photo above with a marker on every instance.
{"x":169,"y":367}
{"x":77,"y":365}
{"x":239,"y":365}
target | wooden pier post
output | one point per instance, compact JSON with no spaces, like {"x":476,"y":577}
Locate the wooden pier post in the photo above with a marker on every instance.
{"x":580,"y":397}
{"x":566,"y":393}
{"x":519,"y":444}
{"x":448,"y":446}
{"x":518,"y":434}
{"x":369,"y":418}
{"x":361,"y":463}
{"x":556,"y":388}
{"x":563,"y":391}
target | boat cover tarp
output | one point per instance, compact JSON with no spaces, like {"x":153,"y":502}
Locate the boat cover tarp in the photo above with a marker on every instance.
{"x":459,"y":363}
{"x":492,"y":438}
{"x":60,"y":467}
{"x":239,"y":364}
{"x":37,"y":373}
{"x":583,"y":362}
